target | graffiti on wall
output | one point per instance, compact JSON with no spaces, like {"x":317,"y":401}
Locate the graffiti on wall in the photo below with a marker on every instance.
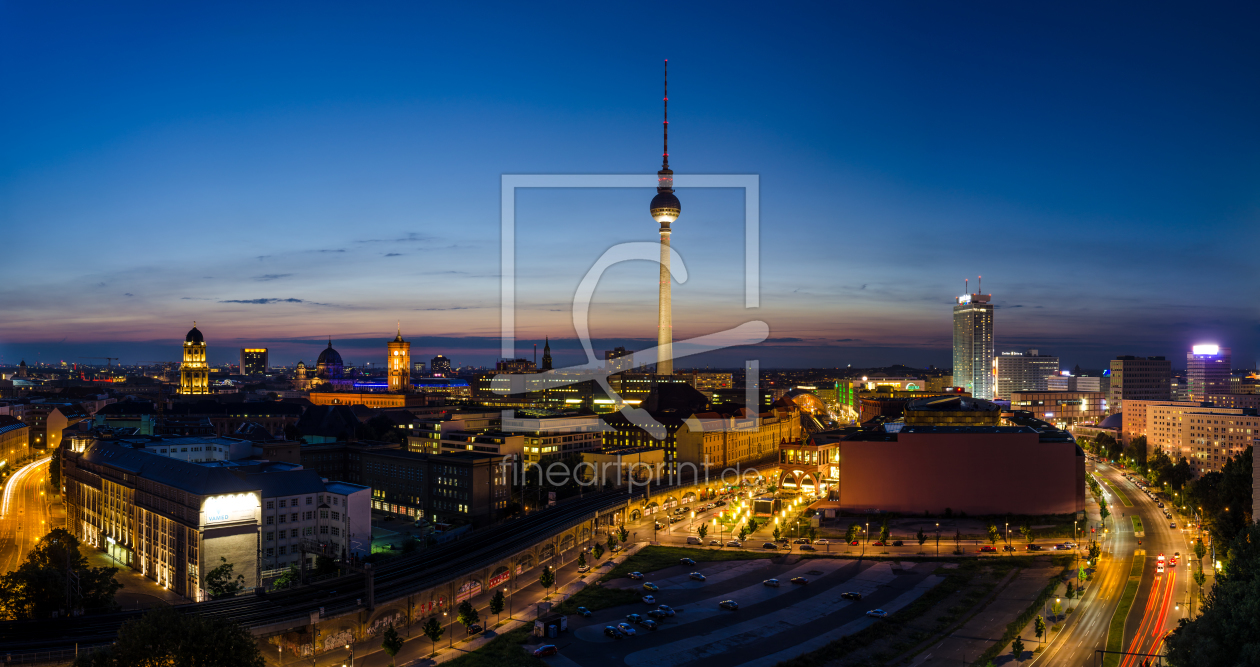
{"x":468,"y":590}
{"x":501,"y":576}
{"x":430,"y":606}
{"x":396,"y":619}
{"x":338,"y":639}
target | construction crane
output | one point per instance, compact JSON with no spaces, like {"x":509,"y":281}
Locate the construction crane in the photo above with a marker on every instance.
{"x":108,"y":360}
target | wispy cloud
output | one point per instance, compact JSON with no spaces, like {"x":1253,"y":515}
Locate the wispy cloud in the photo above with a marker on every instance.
{"x":272,"y":276}
{"x":263,"y":302}
{"x":393,"y":254}
{"x":411,"y":237}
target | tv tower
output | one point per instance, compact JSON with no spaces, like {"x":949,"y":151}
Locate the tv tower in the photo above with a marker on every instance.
{"x":665,"y":210}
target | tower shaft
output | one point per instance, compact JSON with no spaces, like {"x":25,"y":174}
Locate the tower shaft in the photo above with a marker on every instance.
{"x":665,"y":314}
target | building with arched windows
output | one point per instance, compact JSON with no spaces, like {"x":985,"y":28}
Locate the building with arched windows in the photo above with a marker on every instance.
{"x":399,"y":363}
{"x":194,"y":372}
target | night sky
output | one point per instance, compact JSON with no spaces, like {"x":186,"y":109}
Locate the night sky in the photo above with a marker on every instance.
{"x":286,"y":172}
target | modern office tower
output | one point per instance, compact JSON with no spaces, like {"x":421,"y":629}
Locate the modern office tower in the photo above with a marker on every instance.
{"x":973,"y":344}
{"x":254,"y":361}
{"x":399,"y":363}
{"x":665,"y":210}
{"x":619,"y":359}
{"x":1075,"y":383}
{"x":418,"y":367}
{"x":194,"y":372}
{"x":1023,"y":371}
{"x":1139,"y":379}
{"x":441,"y":366}
{"x":1207,"y":371}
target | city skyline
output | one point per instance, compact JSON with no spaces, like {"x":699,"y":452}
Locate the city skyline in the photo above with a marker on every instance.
{"x":279,"y":199}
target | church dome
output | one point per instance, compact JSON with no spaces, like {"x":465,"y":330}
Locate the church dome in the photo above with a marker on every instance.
{"x":329,"y":357}
{"x":194,"y":335}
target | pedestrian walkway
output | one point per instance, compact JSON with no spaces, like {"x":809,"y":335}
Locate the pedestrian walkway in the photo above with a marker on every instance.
{"x":138,"y":591}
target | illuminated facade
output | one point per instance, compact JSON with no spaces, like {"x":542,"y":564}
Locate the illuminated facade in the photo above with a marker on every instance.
{"x":254,"y":361}
{"x":973,"y":344}
{"x":1139,"y":379}
{"x":399,"y":363}
{"x":1023,"y":371}
{"x":1207,"y":371}
{"x":194,"y":372}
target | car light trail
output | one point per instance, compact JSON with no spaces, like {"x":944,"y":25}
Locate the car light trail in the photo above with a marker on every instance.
{"x":16,"y":481}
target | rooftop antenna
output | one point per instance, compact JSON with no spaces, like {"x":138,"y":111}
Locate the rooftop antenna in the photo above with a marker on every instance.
{"x":665,"y":155}
{"x":979,"y":284}
{"x":966,"y":285}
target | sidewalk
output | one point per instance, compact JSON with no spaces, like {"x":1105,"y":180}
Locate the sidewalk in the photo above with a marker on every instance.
{"x":138,"y":591}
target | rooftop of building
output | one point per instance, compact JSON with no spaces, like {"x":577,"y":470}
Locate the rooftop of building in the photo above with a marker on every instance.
{"x":613,"y":450}
{"x":9,"y":423}
{"x":952,"y":403}
{"x":190,"y":477}
{"x":276,"y":483}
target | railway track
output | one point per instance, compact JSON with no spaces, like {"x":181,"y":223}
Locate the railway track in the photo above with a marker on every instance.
{"x":394,"y":579}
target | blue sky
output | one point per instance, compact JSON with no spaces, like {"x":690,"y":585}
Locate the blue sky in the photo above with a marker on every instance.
{"x":286,"y":172}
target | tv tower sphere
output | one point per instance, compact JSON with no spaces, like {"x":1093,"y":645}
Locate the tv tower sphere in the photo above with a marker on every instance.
{"x":665,"y":208}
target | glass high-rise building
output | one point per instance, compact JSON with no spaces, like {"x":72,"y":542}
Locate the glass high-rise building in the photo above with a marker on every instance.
{"x":1207,"y":371}
{"x":973,"y":344}
{"x":1024,"y":371}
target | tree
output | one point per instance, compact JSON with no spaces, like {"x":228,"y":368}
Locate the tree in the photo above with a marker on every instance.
{"x":921,"y":537}
{"x":1136,"y":451}
{"x":1039,"y":628}
{"x":434,"y":631}
{"x":547,"y":578}
{"x":164,"y":636}
{"x":1017,"y":648}
{"x":597,"y":551}
{"x":1181,"y":473}
{"x":37,"y":588}
{"x":612,"y":541}
{"x":852,"y":533}
{"x":54,"y":470}
{"x":1056,"y":608}
{"x":325,"y":565}
{"x":957,"y":541}
{"x":1225,"y":497}
{"x":391,"y":643}
{"x":468,"y":615}
{"x":884,"y":532}
{"x":776,"y":534}
{"x":220,"y":583}
{"x":290,"y":577}
{"x":752,"y":526}
{"x":1200,"y":550}
{"x":496,"y":605}
{"x":622,"y":533}
{"x":1159,"y":466}
{"x":1027,"y":531}
{"x":994,"y":534}
{"x":581,"y":560}
{"x":813,"y":534}
{"x":1225,"y":633}
{"x":703,"y":530}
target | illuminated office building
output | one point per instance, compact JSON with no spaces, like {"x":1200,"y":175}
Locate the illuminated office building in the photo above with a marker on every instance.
{"x":1207,"y":371}
{"x":254,"y":361}
{"x":973,"y":344}
{"x":1023,"y":371}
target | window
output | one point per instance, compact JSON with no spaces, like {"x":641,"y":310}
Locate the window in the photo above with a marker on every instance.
{"x":281,"y":503}
{"x":323,"y":514}
{"x":335,"y":531}
{"x":293,"y":533}
{"x":336,"y":516}
{"x":282,"y":517}
{"x":293,"y":517}
{"x":323,"y":530}
{"x":271,"y":537}
{"x":308,"y":500}
{"x":271,"y":504}
{"x":282,"y":550}
{"x":309,"y":516}
{"x":270,"y":551}
{"x":270,"y":520}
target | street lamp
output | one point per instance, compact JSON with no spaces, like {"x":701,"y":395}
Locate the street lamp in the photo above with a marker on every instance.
{"x":450,"y":633}
{"x":938,"y":539}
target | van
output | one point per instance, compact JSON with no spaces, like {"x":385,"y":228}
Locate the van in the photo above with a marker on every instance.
{"x":694,"y":540}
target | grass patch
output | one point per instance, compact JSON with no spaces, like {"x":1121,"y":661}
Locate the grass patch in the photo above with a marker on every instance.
{"x":1137,"y":524}
{"x":650,"y":559}
{"x":1123,"y":498}
{"x":597,"y":597}
{"x":502,"y":651}
{"x":1115,"y":633}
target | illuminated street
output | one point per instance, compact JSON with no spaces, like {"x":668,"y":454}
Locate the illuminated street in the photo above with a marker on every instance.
{"x":24,"y":515}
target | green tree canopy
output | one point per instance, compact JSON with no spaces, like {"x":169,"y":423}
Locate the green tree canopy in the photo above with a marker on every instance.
{"x":165,"y":636}
{"x":1228,"y":630}
{"x":391,"y":643}
{"x":220,"y":583}
{"x":433,"y":629}
{"x":37,"y":588}
{"x":1225,"y":497}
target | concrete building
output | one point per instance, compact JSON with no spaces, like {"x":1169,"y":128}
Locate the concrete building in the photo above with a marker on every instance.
{"x":1207,"y":371}
{"x":425,"y":435}
{"x":738,"y":438}
{"x":611,"y":467}
{"x":972,"y":469}
{"x":1062,"y":407}
{"x":1139,"y":379}
{"x":254,"y":361}
{"x":973,"y":344}
{"x":952,"y":411}
{"x":15,"y":439}
{"x":300,"y":510}
{"x":1023,"y":371}
{"x":47,"y":421}
{"x":556,"y":436}
{"x":370,"y":399}
{"x":1073,"y":383}
{"x":1205,"y":435}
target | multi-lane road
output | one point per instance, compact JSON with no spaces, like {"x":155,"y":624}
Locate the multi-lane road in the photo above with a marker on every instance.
{"x":24,"y":516}
{"x":1160,"y":598}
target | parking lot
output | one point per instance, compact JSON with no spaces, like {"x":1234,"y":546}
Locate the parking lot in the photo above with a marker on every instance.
{"x":771,"y":624}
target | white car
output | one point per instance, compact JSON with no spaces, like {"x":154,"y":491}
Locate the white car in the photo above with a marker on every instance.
{"x":877,"y":613}
{"x":584,"y":568}
{"x":822,"y":542}
{"x":626,"y":628}
{"x":773,"y":583}
{"x":649,"y":599}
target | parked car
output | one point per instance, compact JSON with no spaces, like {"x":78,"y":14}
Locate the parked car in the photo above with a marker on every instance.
{"x":987,"y":549}
{"x":659,"y":525}
{"x":877,"y":543}
{"x":625,"y":627}
{"x":665,"y":608}
{"x":734,"y":543}
{"x":633,"y":618}
{"x":1034,"y":547}
{"x":803,"y":540}
{"x":854,"y":543}
{"x":807,"y":547}
{"x":729,"y":604}
{"x":1008,"y":547}
{"x":897,"y":543}
{"x":822,"y":541}
{"x":877,"y":613}
{"x":720,"y":503}
{"x":657,"y":613}
{"x":649,"y":624}
{"x":680,"y":510}
{"x":648,"y":599}
{"x":714,"y":543}
{"x":769,"y":545}
{"x":475,"y":629}
{"x":696,"y":576}
{"x":616,"y":548}
{"x":851,"y":595}
{"x":546,"y":650}
{"x":610,"y":631}
{"x":1172,"y":525}
{"x":584,"y":568}
{"x":635,"y":575}
{"x":649,"y":586}
{"x":675,"y":519}
{"x":583,"y":611}
{"x":686,"y":561}
{"x":800,"y":580}
{"x":774,"y":583}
